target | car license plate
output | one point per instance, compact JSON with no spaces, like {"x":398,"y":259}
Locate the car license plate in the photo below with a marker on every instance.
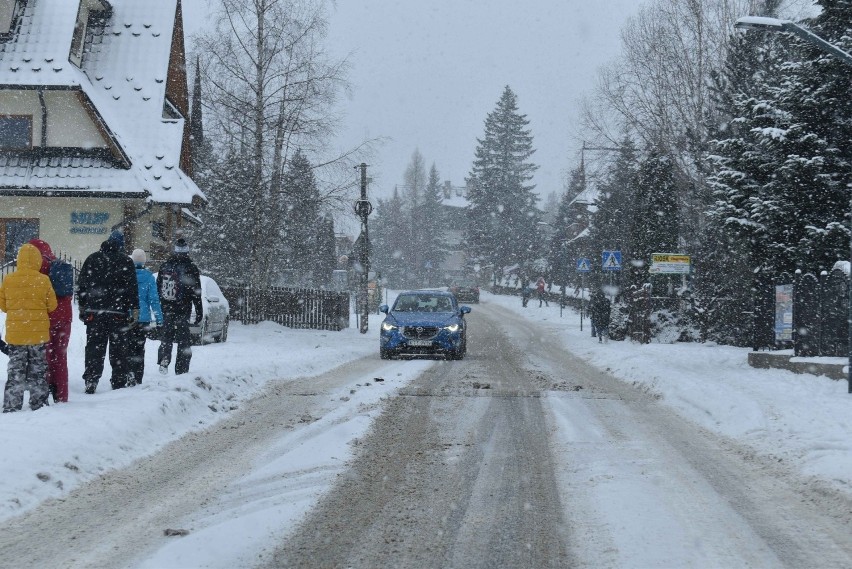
{"x":420,"y":343}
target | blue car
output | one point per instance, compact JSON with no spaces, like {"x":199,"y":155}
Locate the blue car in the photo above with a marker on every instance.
{"x":424,"y":322}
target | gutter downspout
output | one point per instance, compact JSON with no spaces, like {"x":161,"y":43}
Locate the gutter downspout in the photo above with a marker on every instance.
{"x":43,"y":119}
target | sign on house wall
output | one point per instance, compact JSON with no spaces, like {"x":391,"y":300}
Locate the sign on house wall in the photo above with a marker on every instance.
{"x":89,"y":222}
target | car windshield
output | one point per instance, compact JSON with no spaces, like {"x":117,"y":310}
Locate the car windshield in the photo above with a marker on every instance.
{"x":423,"y":303}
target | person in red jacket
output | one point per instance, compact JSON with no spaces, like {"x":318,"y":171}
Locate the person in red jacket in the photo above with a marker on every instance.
{"x":60,"y":327}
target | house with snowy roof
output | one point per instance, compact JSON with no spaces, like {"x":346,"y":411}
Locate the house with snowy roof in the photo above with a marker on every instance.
{"x":94,"y":129}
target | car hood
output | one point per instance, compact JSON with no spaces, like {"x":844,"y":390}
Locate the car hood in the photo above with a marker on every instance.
{"x":422,"y":318}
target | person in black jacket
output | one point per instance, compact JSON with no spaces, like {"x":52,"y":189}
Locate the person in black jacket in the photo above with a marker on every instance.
{"x":179,"y":285}
{"x":600,"y":309}
{"x":108,"y":298}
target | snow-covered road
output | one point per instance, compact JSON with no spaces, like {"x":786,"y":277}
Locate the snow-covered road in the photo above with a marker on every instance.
{"x":643,"y":479}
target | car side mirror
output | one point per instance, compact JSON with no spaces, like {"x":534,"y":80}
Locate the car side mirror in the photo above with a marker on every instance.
{"x":383,"y":308}
{"x":464,"y":309}
{"x":212,"y":299}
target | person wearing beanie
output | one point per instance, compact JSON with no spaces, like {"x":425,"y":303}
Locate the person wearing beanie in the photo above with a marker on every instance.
{"x":27,"y":298}
{"x":179,"y":285}
{"x":149,"y":304}
{"x":61,"y":275}
{"x":108,"y":297}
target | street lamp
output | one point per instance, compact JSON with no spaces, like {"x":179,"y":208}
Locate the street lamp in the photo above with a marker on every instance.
{"x":775,"y":25}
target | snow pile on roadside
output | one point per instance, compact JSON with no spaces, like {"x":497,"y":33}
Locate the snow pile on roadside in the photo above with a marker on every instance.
{"x":48,"y":453}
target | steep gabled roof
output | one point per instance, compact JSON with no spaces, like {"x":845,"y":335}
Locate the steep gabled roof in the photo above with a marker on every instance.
{"x":124,"y":74}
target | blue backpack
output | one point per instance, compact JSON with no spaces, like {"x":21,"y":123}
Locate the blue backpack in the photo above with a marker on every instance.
{"x":62,"y":278}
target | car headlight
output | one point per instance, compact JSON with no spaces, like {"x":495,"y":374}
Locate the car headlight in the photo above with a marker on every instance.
{"x":387,"y":327}
{"x":452,"y":328}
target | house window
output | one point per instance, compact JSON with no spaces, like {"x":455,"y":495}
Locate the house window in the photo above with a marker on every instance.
{"x":16,"y":131}
{"x":171,"y":112}
{"x":13,"y":234}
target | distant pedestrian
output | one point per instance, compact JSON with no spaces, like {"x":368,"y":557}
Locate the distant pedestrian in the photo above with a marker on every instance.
{"x":601,"y":307}
{"x":525,"y":292}
{"x":27,"y":298}
{"x":61,"y":275}
{"x":149,"y":305}
{"x":540,"y":286}
{"x":179,"y":285}
{"x":108,"y":297}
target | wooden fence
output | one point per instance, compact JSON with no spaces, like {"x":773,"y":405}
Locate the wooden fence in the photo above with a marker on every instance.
{"x":291,"y":307}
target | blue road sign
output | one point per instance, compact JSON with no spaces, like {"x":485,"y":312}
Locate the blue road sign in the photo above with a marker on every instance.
{"x":611,"y":261}
{"x":584,"y":265}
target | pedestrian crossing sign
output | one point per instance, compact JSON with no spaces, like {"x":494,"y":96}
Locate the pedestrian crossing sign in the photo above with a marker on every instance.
{"x":611,"y":261}
{"x":584,"y":265}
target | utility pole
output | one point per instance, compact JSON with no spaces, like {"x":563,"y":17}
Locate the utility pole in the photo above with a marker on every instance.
{"x":363,"y":209}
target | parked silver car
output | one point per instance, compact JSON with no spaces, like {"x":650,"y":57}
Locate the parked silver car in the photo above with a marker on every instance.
{"x":214,"y":323}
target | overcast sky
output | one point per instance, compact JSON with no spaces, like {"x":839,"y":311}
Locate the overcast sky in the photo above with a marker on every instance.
{"x":426,"y":73}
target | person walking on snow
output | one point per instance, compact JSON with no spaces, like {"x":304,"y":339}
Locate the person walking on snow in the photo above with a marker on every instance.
{"x":149,"y":303}
{"x":600,"y":309}
{"x":27,"y":297}
{"x":539,"y":287}
{"x":108,"y":297}
{"x":179,"y":285}
{"x":61,"y":275}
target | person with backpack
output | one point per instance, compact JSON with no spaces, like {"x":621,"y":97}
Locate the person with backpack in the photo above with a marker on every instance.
{"x":108,"y":297}
{"x":61,"y":275}
{"x":179,"y":285}
{"x":27,"y":297}
{"x":149,"y":303}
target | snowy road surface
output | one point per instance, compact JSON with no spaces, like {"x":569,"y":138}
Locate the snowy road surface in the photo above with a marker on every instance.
{"x":519,"y":456}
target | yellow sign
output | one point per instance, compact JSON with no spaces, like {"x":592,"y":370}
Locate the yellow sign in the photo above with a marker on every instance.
{"x":669,"y":263}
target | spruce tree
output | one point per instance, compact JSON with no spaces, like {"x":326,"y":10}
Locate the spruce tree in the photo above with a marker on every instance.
{"x":502,"y":229}
{"x":223,"y":242}
{"x":613,"y":213}
{"x":570,"y":219}
{"x":389,"y":234}
{"x":325,"y":259}
{"x":300,"y":216}
{"x":414,"y":187}
{"x":655,"y":220}
{"x":433,"y":240}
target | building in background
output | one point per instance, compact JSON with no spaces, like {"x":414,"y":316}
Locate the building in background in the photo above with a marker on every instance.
{"x":94,"y":131}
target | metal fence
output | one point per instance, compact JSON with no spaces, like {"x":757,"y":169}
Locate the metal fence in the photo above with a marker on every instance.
{"x":291,"y":307}
{"x":820,"y":314}
{"x":10,"y":266}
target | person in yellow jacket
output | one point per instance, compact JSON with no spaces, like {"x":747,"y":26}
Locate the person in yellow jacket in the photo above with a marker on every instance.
{"x":27,"y":298}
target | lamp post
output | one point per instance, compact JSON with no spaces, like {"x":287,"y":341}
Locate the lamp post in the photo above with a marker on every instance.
{"x":775,"y":25}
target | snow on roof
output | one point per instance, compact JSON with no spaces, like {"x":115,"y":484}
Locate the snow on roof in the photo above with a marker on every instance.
{"x":124,"y":76}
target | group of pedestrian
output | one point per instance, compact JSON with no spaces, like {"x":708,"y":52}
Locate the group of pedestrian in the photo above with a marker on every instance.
{"x":540,"y":289}
{"x":599,"y":310}
{"x":119,"y":301}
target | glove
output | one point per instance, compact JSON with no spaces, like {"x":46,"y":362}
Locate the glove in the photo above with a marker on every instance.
{"x":4,"y":347}
{"x":198,"y":319}
{"x":133,"y":319}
